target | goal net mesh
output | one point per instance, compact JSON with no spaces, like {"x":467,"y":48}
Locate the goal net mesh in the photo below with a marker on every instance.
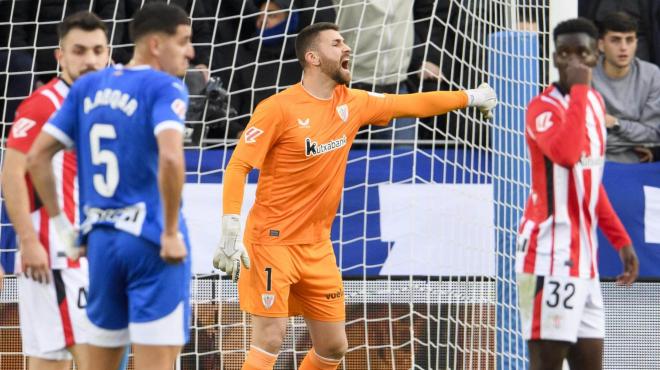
{"x":424,"y":235}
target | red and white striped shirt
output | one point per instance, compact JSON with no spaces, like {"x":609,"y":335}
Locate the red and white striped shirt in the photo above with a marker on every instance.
{"x":566,"y":137}
{"x":31,"y":115}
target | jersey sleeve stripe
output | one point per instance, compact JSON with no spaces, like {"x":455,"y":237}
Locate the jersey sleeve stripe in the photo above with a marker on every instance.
{"x":168,"y":125}
{"x":58,"y":134}
{"x":551,"y":101}
{"x":52,"y":97}
{"x":61,"y":88}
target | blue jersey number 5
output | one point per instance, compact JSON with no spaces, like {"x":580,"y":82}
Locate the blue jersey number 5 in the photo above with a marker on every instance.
{"x":106,"y":184}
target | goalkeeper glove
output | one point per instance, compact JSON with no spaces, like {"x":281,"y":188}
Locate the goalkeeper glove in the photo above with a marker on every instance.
{"x":67,"y":235}
{"x":484,"y":98}
{"x":230,"y":252}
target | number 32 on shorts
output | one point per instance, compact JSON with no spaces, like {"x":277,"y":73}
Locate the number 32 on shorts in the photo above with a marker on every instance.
{"x":560,"y":294}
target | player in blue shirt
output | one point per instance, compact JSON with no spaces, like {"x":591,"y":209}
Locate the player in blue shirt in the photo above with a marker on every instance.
{"x":127,"y":123}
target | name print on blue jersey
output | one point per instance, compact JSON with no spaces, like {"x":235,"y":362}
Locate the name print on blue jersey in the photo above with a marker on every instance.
{"x":115,"y":99}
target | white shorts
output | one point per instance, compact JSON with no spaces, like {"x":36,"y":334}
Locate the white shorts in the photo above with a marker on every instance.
{"x":560,"y":308}
{"x":52,"y":316}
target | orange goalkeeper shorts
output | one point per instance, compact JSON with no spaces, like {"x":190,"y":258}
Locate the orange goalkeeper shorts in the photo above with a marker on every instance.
{"x":292,"y":280}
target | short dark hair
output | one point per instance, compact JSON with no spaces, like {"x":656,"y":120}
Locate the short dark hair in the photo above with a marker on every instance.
{"x":307,"y":37}
{"x":618,"y":22}
{"x":157,"y":17}
{"x":576,"y":25}
{"x":84,"y":20}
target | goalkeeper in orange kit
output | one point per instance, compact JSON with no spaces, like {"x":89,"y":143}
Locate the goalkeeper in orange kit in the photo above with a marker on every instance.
{"x":300,"y":139}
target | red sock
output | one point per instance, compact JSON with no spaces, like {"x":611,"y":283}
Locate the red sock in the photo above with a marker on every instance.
{"x":315,"y":362}
{"x":258,"y":359}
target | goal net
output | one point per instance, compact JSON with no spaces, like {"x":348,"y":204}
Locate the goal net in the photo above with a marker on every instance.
{"x":424,"y":235}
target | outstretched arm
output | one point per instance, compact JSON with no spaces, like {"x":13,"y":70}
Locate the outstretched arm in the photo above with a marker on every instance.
{"x":428,"y":104}
{"x":435,"y":103}
{"x":381,"y":108}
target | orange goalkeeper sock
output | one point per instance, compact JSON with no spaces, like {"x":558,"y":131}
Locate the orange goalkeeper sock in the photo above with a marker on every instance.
{"x":258,"y":359}
{"x":315,"y":362}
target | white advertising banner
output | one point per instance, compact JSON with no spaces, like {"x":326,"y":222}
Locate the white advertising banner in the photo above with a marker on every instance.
{"x":435,"y":229}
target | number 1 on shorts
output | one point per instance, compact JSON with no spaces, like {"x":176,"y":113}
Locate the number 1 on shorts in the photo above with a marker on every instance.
{"x":269,"y":275}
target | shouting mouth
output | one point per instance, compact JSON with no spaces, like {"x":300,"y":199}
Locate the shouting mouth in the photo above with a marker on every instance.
{"x":344,"y":63}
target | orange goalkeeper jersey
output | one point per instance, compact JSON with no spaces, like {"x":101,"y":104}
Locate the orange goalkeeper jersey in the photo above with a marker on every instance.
{"x":301,"y":143}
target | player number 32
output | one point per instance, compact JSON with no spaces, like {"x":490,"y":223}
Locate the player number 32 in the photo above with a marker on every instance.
{"x":561,"y":295}
{"x":105,"y":185}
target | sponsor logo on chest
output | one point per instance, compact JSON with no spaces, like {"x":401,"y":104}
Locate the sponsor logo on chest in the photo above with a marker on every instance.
{"x":312,"y":148}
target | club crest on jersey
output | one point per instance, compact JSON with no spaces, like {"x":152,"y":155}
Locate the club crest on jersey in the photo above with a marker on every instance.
{"x":303,"y":122}
{"x":342,"y":110}
{"x":267,"y":300}
{"x":312,"y":148}
{"x":544,"y":121}
{"x":252,"y":134}
{"x":556,"y":320}
{"x":179,"y":108}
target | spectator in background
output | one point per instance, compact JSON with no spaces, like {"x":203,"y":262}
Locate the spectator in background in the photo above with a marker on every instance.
{"x":266,"y":62}
{"x":433,"y":66}
{"x":382,"y":35}
{"x":426,"y":57}
{"x":631,"y":90}
{"x":646,"y":12}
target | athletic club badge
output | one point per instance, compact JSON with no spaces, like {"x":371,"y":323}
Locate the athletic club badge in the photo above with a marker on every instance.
{"x":268,"y":300}
{"x":342,"y":110}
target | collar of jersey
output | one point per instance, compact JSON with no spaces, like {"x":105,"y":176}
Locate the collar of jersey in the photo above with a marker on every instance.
{"x":314,"y":96}
{"x":61,"y":87}
{"x":133,"y":68}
